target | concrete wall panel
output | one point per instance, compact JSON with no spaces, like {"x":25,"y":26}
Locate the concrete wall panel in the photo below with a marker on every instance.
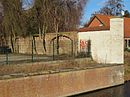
{"x":63,"y":84}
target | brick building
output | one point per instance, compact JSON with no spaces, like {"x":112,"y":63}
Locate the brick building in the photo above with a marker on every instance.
{"x":102,"y":22}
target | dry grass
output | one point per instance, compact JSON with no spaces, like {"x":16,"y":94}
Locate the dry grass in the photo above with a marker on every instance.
{"x":56,"y":66}
{"x":45,"y":66}
{"x":127,"y":65}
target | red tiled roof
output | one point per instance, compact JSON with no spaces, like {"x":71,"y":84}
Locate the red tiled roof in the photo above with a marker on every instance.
{"x":86,"y":29}
{"x":105,"y":19}
{"x":127,"y":27}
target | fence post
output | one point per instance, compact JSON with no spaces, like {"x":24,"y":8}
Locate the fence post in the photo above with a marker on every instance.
{"x":32,"y":50}
{"x":7,"y":56}
{"x":53,"y":50}
{"x":72,"y":47}
{"x":89,"y":49}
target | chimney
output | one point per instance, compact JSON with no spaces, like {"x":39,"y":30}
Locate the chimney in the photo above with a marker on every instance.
{"x":117,"y":40}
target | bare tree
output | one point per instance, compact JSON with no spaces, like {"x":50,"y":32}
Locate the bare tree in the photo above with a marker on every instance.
{"x":112,"y":7}
{"x":12,"y":21}
{"x":57,"y":16}
{"x":66,"y":16}
{"x":42,"y":17}
{"x":126,"y":14}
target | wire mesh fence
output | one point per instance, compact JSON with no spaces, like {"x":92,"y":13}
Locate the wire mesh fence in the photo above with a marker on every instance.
{"x":33,"y":49}
{"x":28,"y":56}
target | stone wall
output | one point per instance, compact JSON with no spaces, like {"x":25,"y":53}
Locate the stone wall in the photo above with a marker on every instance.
{"x":24,"y":45}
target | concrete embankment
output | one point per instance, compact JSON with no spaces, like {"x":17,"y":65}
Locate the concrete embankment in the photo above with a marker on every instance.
{"x":63,"y":83}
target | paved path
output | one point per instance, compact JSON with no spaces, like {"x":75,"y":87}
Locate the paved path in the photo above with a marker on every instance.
{"x":18,"y":58}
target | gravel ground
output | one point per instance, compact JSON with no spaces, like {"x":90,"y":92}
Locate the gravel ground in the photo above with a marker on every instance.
{"x":21,"y":58}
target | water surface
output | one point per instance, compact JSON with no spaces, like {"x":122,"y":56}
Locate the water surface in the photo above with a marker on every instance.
{"x":119,"y":91}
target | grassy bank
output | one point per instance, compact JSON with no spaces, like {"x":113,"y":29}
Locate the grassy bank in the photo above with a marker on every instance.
{"x":127,"y":65}
{"x":57,"y":66}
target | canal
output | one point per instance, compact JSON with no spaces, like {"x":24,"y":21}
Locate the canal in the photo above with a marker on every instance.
{"x":119,"y":91}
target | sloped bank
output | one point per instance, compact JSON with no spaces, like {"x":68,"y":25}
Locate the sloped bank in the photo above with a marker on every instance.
{"x":63,"y":83}
{"x":127,"y":66}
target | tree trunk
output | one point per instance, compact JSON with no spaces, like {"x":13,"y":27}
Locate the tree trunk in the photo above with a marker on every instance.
{"x":44,"y":35}
{"x":44,"y":43}
{"x":57,"y":39}
{"x":35,"y":48}
{"x":12,"y":43}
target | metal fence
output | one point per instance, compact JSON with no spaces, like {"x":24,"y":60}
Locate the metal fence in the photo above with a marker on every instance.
{"x":7,"y":56}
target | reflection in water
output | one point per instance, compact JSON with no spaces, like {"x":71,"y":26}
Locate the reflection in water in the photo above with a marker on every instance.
{"x":127,"y":89}
{"x":119,"y":91}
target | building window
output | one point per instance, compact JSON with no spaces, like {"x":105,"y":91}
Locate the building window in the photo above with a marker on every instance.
{"x":129,"y":43}
{"x":125,"y":43}
{"x":101,"y":25}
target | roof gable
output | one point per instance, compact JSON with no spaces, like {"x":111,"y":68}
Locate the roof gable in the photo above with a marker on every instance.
{"x":95,"y":23}
{"x":103,"y":19}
